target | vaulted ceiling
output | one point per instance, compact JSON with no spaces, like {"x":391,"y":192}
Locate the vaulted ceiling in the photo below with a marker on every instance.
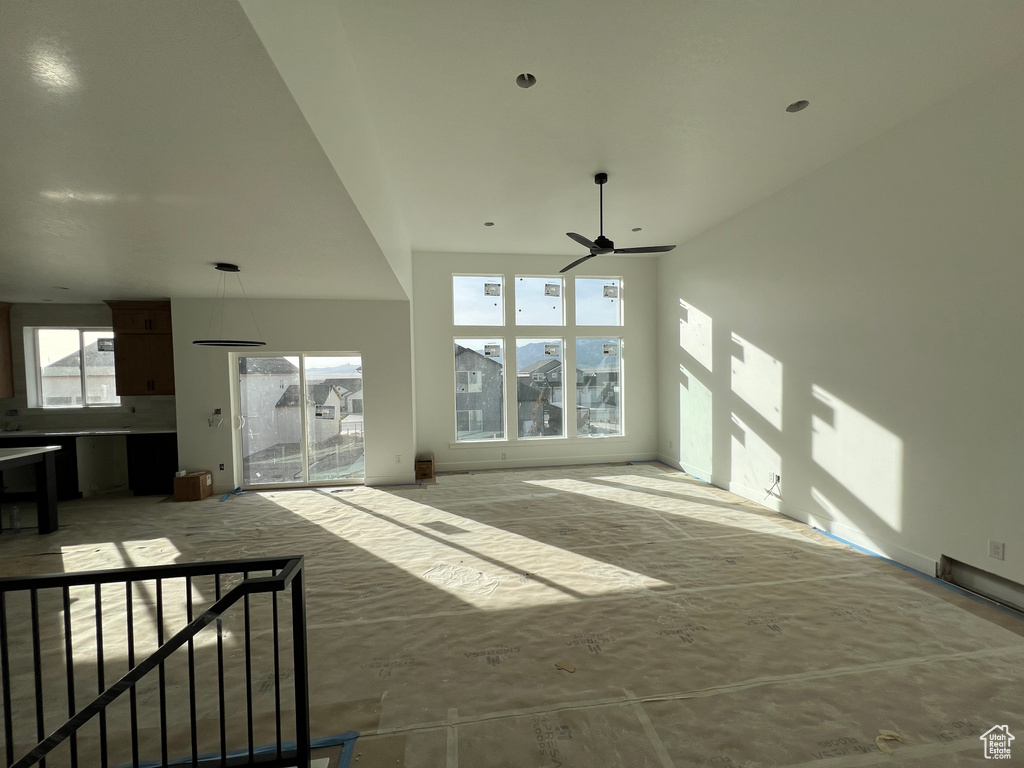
{"x":320,"y":144}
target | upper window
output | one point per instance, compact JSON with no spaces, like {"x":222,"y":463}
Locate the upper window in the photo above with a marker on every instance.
{"x":477,"y":300}
{"x":539,"y":301}
{"x":598,"y":301}
{"x":74,"y":367}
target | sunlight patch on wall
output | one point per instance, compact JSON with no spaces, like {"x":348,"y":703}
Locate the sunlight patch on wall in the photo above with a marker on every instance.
{"x":484,"y":566}
{"x":863,"y":456}
{"x":752,"y":460}
{"x":695,"y":429}
{"x":695,"y":333}
{"x":757,"y":378}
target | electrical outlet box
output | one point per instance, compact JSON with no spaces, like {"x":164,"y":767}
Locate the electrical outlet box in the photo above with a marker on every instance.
{"x":11,"y":412}
{"x":996,"y":549}
{"x":221,"y":467}
{"x":398,"y":458}
{"x":504,"y":455}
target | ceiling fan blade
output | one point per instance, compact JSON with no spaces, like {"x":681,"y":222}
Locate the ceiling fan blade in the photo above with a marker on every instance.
{"x":577,"y":263}
{"x":648,"y":249}
{"x":582,"y":240}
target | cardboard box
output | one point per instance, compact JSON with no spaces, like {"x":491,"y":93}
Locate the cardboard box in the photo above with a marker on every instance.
{"x":425,"y":466}
{"x":193,"y":486}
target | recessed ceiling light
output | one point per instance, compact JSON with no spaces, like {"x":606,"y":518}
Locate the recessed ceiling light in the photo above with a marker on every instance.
{"x":526,"y":80}
{"x":637,"y":229}
{"x":797,"y":106}
{"x":61,"y":288}
{"x":488,"y":223}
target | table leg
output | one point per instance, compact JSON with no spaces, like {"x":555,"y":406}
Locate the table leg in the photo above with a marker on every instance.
{"x":46,"y":493}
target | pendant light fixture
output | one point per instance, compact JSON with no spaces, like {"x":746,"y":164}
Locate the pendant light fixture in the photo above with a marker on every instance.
{"x":224,"y":268}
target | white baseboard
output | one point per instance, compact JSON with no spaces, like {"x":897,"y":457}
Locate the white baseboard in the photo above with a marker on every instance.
{"x":548,"y":461}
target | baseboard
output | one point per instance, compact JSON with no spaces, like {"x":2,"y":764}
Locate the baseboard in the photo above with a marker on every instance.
{"x":855,"y":536}
{"x":549,"y":461}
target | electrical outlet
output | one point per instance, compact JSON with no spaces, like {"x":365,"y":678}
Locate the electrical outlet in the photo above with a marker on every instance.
{"x":778,"y":478}
{"x":398,"y":458}
{"x":996,"y":549}
{"x":221,"y":467}
{"x":504,"y":455}
{"x":11,"y":412}
{"x":216,"y":411}
{"x":670,"y":445}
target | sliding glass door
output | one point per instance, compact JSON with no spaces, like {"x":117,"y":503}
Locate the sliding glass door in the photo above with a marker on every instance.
{"x":301,"y":419}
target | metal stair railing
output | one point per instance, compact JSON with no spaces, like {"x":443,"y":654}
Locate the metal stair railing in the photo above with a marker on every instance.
{"x":284,"y":573}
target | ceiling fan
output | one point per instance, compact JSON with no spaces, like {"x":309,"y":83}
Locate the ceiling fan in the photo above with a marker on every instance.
{"x":603,"y":245}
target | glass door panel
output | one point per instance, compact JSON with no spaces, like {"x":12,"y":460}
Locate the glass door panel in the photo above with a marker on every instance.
{"x":270,"y":403}
{"x":334,"y":418}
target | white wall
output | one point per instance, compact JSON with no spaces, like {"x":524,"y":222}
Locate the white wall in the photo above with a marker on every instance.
{"x":378,"y":330}
{"x":878,"y":359}
{"x":434,"y":360}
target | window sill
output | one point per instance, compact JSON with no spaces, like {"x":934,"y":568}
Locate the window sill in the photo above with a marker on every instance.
{"x":38,"y":409}
{"x":531,"y":441}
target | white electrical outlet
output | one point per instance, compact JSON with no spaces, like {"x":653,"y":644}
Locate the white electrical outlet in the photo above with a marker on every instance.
{"x":504,"y":455}
{"x":996,"y":549}
{"x":398,"y":458}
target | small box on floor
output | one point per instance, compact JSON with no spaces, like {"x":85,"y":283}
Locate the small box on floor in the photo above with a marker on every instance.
{"x":425,"y":466}
{"x":193,"y":486}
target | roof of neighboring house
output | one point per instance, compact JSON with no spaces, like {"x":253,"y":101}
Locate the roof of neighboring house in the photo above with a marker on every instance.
{"x":461,"y":350}
{"x":318,"y":394}
{"x":540,"y":366}
{"x":96,"y":362}
{"x":278,"y":365}
{"x":350,"y":384}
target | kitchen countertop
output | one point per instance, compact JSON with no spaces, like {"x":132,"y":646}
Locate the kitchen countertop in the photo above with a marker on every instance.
{"x":97,"y":432}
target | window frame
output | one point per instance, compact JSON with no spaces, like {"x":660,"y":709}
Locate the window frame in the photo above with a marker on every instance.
{"x":35,"y":373}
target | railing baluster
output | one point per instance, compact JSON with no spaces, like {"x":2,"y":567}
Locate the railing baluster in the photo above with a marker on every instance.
{"x":248,"y":670}
{"x":99,"y":673}
{"x":220,"y":677}
{"x":5,"y":678}
{"x":69,"y":659}
{"x":162,"y":672}
{"x":301,"y":671}
{"x":277,"y":670}
{"x":133,"y":699}
{"x":37,"y":669}
{"x":192,"y":674}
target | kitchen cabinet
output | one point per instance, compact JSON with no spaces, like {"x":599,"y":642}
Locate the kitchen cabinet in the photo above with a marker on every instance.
{"x":143,"y":347}
{"x":152,"y":462}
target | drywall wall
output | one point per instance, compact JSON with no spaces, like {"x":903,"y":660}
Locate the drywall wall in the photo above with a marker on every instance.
{"x":204,"y":379}
{"x":434,"y":360}
{"x":860,"y":333}
{"x":312,"y":54}
{"x":153,"y":411}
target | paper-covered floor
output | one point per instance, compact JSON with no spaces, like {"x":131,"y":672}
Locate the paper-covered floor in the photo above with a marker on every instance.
{"x":595,"y":616}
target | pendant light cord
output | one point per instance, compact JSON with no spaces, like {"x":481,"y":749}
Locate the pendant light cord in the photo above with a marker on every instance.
{"x":247,"y":304}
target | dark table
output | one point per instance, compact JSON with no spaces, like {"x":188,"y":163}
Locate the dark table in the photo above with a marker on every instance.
{"x":46,"y":479}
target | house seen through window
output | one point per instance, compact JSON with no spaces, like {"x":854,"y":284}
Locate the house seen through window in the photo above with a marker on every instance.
{"x":74,"y":367}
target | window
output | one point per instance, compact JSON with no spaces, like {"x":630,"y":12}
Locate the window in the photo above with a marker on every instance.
{"x":479,"y":389}
{"x":477,"y":300}
{"x":467,"y":381}
{"x":73,"y":367}
{"x":598,"y":301}
{"x":598,"y":387}
{"x":470,"y":421}
{"x":539,"y":301}
{"x":539,"y":387}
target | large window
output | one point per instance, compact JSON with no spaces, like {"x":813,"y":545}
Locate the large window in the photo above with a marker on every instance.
{"x":598,"y":387}
{"x":479,"y":389}
{"x":74,"y":367}
{"x":539,"y":387}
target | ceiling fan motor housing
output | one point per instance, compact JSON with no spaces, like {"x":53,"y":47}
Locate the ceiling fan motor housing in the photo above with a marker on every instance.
{"x":600,"y":178}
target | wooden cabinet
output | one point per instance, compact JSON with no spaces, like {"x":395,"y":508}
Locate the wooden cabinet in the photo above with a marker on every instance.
{"x":143,"y":348}
{"x":6,"y":360}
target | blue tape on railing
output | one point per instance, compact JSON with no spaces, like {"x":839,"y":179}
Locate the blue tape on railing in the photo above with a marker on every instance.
{"x":944,"y":584}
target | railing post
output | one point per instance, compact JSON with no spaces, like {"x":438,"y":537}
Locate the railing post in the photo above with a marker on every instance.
{"x":301,"y":673}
